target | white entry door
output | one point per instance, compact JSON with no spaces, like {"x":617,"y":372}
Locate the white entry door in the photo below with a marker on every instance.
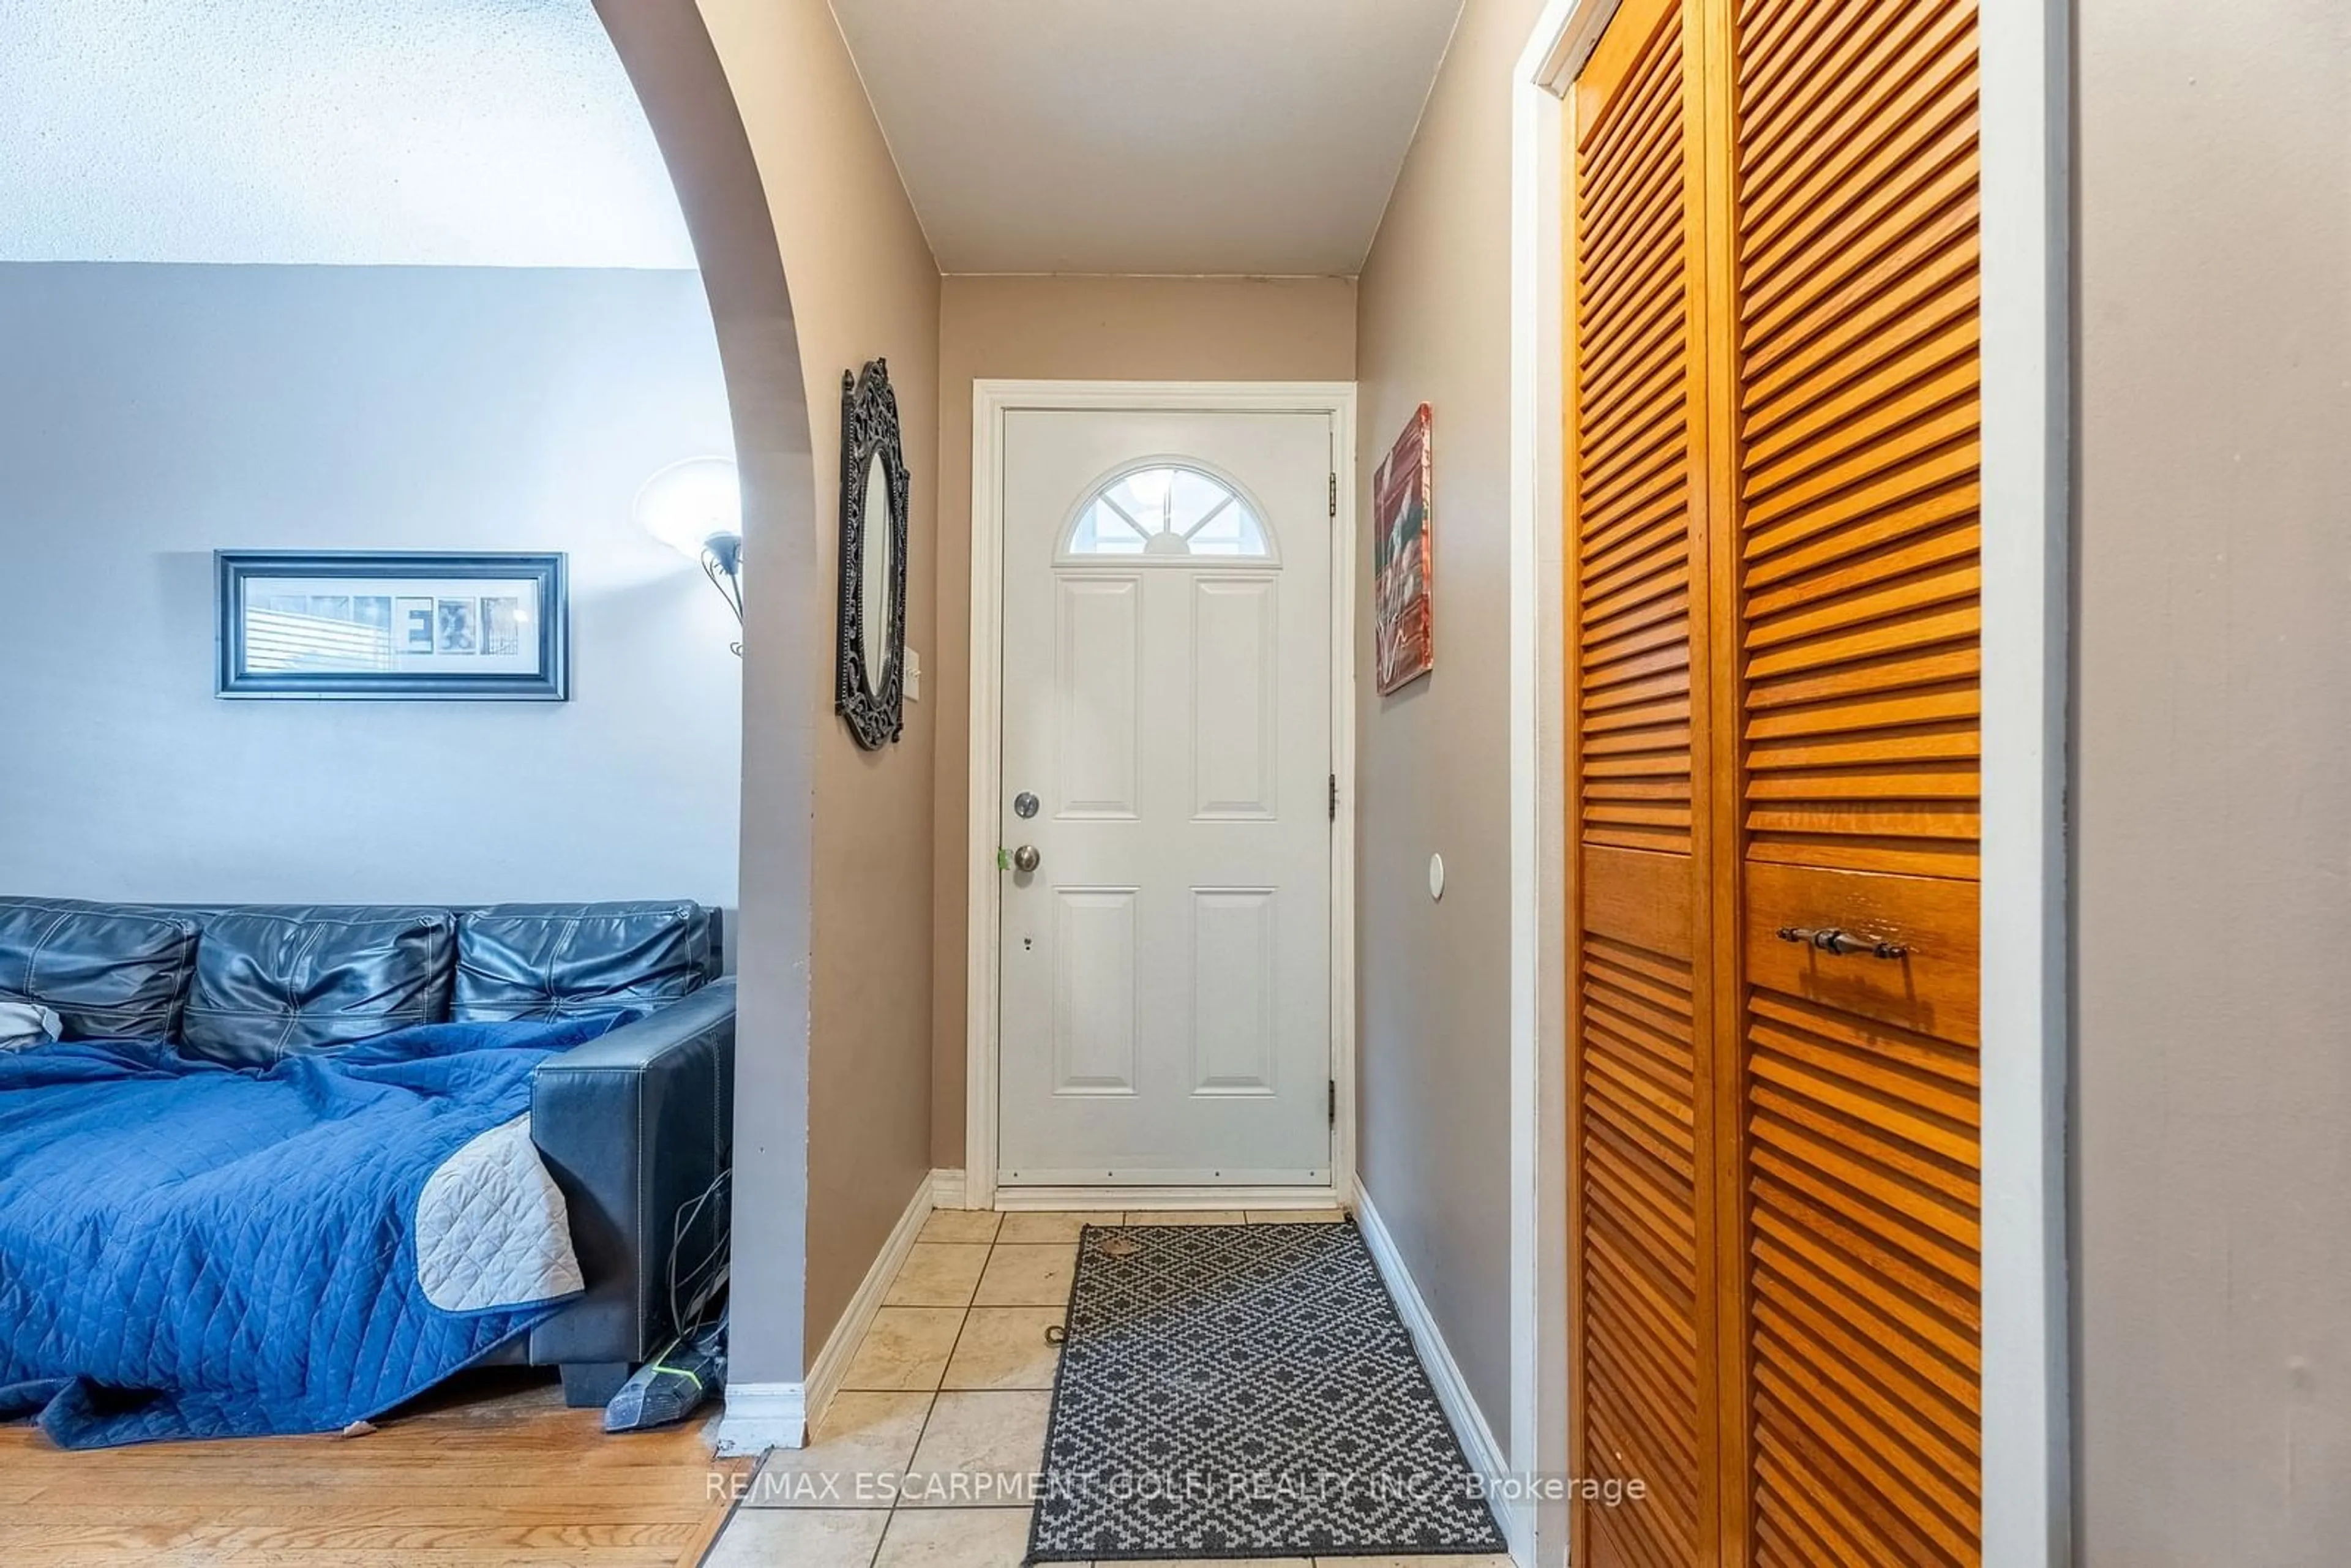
{"x":1165,"y":968}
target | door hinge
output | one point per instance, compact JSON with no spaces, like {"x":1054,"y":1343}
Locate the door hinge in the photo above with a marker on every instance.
{"x":1334,"y":1101}
{"x":1334,"y":796}
{"x":1334,"y":495}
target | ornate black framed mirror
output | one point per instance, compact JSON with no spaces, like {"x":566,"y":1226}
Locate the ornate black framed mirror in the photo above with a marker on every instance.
{"x":869,"y":689}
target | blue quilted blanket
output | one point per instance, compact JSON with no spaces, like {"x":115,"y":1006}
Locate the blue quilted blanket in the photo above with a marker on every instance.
{"x":193,"y":1250}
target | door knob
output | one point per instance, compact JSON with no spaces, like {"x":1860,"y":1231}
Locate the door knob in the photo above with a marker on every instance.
{"x":1026,"y":858}
{"x":1831,"y":939}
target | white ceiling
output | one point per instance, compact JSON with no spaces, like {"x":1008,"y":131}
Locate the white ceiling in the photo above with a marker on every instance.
{"x":1149,"y":136}
{"x":431,"y":132}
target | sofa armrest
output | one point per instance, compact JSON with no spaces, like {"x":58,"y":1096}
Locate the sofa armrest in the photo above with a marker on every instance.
{"x":634,"y":1127}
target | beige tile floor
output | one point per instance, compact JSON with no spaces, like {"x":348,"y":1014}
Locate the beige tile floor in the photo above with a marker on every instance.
{"x":920,"y":1461}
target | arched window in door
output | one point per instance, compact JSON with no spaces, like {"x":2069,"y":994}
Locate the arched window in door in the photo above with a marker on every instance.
{"x":1168,"y":510}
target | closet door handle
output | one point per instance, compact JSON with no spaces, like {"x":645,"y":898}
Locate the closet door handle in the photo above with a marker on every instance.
{"x":1834,"y":939}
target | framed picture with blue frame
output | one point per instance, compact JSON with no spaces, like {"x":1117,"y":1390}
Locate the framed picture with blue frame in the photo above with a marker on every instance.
{"x":403,"y":625}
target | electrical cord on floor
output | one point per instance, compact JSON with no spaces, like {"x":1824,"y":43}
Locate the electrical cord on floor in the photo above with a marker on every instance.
{"x":695,"y":1292}
{"x":692,"y":1367}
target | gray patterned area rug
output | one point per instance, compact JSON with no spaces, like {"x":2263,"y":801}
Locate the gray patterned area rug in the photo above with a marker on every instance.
{"x":1244,"y":1391}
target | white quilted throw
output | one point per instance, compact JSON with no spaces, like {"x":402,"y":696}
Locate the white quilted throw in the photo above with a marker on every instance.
{"x":491,"y":1228}
{"x":25,"y":1022}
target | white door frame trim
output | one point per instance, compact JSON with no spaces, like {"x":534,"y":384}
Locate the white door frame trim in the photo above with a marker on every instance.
{"x":2024,"y":67}
{"x":991,"y":400}
{"x":1563,"y":35}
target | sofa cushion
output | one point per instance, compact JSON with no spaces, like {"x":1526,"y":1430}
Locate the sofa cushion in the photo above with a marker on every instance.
{"x":272,"y":980}
{"x":109,"y":971}
{"x":564,"y":960}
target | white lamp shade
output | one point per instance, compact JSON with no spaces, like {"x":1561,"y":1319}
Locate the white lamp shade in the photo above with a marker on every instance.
{"x":686,"y":502}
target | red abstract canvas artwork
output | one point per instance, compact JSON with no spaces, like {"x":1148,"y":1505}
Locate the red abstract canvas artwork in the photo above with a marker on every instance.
{"x":1402,"y":559}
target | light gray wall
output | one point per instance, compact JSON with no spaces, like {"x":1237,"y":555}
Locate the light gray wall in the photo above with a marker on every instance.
{"x":2213,"y":800}
{"x":150,"y":415}
{"x":1432,"y":326}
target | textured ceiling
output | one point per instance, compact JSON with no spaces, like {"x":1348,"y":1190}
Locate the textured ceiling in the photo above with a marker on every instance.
{"x":429,"y":132}
{"x":1166,"y":136}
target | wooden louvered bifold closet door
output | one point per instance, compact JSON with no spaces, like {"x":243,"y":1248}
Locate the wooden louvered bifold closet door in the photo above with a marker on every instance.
{"x":1774,"y":732}
{"x":1853,"y":250}
{"x":1642,"y":1208}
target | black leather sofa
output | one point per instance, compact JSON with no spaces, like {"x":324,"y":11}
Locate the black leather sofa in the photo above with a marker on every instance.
{"x":635,"y":1126}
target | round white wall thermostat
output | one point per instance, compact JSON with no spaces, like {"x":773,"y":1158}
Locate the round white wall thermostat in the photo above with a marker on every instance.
{"x":1437,"y":876}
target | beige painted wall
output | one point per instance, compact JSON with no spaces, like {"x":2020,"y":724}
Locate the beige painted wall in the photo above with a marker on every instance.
{"x":1072,"y":329}
{"x":863,"y":286}
{"x":2213,"y":841}
{"x":1434,"y":759}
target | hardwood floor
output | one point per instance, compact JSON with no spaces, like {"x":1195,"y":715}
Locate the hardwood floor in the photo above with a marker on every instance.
{"x":493,"y":1469}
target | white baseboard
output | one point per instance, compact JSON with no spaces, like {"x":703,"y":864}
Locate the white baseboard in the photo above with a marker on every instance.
{"x":950,"y":1190}
{"x":1477,"y":1443}
{"x":1197,"y":1199}
{"x":763,"y":1415}
{"x":831,"y":1364}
